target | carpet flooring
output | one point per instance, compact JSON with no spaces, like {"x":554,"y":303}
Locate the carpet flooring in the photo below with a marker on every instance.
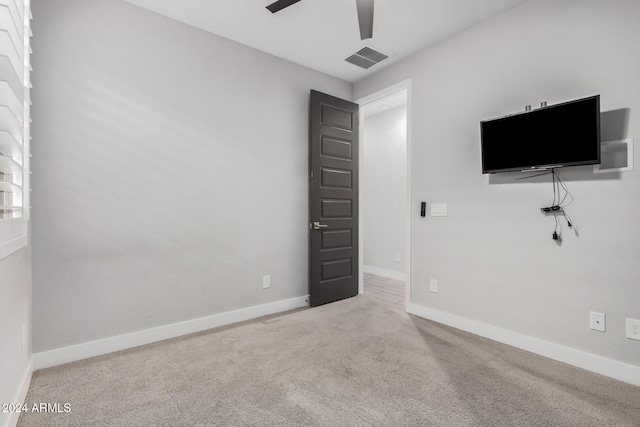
{"x":387,"y":291}
{"x":356,"y":362}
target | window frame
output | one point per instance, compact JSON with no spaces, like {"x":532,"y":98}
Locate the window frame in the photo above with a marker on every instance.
{"x":14,"y":232}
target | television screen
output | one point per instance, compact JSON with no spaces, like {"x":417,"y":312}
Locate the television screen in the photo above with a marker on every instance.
{"x":566,"y":134}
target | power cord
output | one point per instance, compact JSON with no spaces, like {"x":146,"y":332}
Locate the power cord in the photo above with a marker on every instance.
{"x":558,"y":204}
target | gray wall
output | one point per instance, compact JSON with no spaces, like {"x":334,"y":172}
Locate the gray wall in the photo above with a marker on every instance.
{"x":170,"y":172}
{"x":384,"y":189}
{"x":15,"y":311}
{"x":493,"y":255}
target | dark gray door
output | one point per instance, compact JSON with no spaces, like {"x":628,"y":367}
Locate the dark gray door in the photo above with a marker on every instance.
{"x":333,"y":217}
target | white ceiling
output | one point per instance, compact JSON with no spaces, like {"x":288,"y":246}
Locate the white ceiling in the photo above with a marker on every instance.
{"x":320,"y":34}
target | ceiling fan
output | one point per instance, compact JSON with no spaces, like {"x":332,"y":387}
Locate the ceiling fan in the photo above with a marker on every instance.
{"x":365,"y":14}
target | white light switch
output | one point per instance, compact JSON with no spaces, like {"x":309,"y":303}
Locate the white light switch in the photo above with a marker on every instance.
{"x":438,"y":209}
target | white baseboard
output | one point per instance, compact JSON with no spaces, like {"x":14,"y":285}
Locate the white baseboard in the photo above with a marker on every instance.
{"x":390,"y":274}
{"x":589,"y":361}
{"x":22,"y":392}
{"x":47,"y":359}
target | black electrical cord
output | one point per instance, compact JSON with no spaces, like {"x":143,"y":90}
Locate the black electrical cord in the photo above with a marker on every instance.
{"x":566,"y":192}
{"x":567,"y":218}
{"x":562,"y":205}
{"x":558,"y":187}
{"x":553,"y":177}
{"x":558,"y":202}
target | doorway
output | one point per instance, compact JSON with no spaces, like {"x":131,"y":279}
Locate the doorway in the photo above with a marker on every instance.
{"x":385,"y":214}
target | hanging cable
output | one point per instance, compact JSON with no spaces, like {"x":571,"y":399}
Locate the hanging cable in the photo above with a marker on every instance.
{"x":553,"y":177}
{"x":558,"y":204}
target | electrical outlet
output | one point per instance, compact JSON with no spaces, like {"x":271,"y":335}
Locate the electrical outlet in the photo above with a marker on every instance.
{"x":633,"y":329}
{"x":266,"y":282}
{"x":597,"y":321}
{"x":398,"y":257}
{"x":433,"y":286}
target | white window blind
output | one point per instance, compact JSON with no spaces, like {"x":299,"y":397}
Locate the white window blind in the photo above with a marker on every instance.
{"x":15,"y":119}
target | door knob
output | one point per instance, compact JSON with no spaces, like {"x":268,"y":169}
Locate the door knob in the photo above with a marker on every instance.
{"x":317,"y":226}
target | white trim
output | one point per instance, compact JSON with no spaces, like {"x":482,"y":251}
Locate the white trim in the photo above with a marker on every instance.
{"x":403,"y":85}
{"x":86,"y":350}
{"x":589,"y":361}
{"x":361,"y":185}
{"x":383,"y":272}
{"x":22,"y":392}
{"x":408,"y":218}
{"x":14,"y":245}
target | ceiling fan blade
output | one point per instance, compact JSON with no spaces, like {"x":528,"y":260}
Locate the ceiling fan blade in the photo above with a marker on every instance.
{"x":280,"y":4}
{"x":365,"y":18}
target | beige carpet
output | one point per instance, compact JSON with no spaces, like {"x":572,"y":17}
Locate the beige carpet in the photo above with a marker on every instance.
{"x":387,"y":291}
{"x":357,"y":362}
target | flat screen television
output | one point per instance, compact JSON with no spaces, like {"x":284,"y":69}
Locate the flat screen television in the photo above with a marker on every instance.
{"x":560,"y":135}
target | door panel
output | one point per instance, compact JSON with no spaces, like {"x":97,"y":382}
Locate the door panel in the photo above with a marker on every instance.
{"x":336,"y":117}
{"x":335,"y":178}
{"x":335,"y":239}
{"x":336,"y":269}
{"x":336,"y":208}
{"x":333,"y":147}
{"x":333,"y":159}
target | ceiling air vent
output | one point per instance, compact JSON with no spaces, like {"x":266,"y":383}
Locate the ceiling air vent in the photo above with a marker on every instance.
{"x":366,"y":57}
